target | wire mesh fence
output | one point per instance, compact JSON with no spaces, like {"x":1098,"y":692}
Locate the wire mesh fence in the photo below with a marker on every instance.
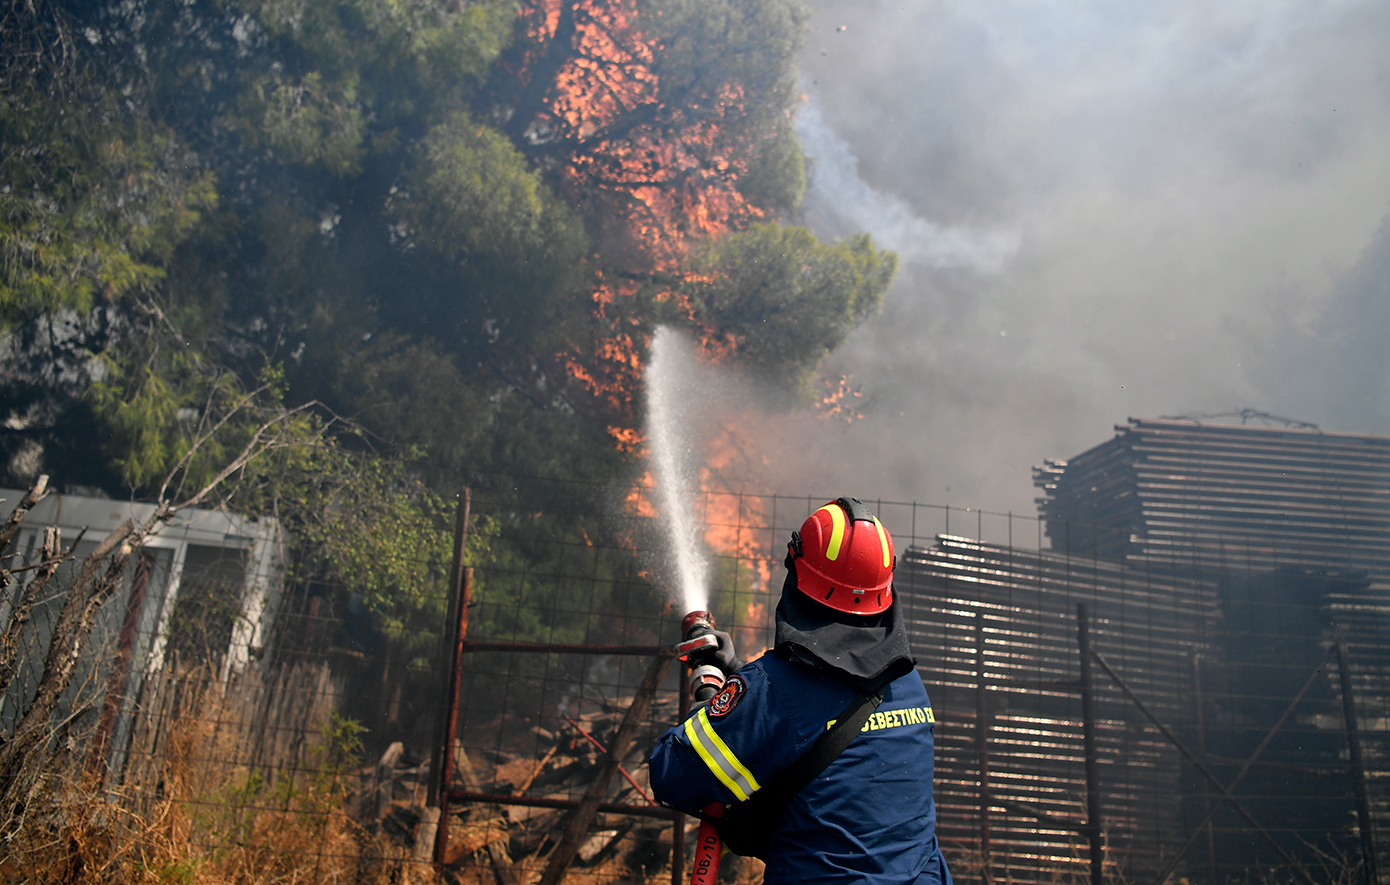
{"x":303,"y":745}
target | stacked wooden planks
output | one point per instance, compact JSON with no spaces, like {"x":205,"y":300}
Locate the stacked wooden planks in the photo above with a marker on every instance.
{"x":1291,"y":529}
{"x":1222,"y":496}
{"x":1022,"y":605}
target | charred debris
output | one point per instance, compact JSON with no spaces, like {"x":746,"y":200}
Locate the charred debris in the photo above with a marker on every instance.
{"x":507,"y":841}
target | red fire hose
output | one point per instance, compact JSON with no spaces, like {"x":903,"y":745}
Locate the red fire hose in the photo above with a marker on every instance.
{"x":698,"y":631}
{"x":708,"y":848}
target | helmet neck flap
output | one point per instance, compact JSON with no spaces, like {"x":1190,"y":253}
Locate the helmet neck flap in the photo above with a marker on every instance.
{"x":868,"y":650}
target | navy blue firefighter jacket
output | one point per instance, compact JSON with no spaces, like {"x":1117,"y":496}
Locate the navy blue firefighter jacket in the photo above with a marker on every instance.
{"x":868,"y":818}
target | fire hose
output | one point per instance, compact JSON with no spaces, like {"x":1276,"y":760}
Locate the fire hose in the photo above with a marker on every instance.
{"x":704,"y":681}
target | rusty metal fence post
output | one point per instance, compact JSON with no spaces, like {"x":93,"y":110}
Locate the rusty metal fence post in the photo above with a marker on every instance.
{"x":460,"y":587}
{"x":120,"y":666}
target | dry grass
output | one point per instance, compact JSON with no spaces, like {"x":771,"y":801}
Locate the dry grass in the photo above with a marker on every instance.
{"x":191,"y":814}
{"x":205,"y":822}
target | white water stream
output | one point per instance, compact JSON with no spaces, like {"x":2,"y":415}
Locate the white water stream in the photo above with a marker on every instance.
{"x":671,"y":381}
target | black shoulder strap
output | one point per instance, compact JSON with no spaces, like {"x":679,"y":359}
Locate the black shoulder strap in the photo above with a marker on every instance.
{"x":747,"y":826}
{"x":793,"y":779}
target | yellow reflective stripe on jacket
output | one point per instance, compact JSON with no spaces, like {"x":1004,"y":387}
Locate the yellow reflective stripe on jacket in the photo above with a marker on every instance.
{"x":719,"y":758}
{"x":837,"y":531}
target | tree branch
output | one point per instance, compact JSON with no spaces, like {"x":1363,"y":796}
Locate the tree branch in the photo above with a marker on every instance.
{"x":64,"y":651}
{"x":252,"y":450}
{"x":11,"y":641}
{"x":199,"y":441}
{"x":32,"y":497}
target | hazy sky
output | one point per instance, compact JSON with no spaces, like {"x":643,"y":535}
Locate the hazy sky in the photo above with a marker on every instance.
{"x":1103,"y":210}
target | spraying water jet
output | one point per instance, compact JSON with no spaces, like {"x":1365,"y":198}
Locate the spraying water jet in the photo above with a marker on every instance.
{"x":670,"y":381}
{"x":672,"y":385}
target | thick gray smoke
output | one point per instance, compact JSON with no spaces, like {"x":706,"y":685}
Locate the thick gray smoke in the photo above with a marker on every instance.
{"x":1103,"y":211}
{"x":844,"y":203}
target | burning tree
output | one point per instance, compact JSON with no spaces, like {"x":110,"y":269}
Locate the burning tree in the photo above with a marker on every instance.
{"x":673,"y":119}
{"x":669,"y":125}
{"x":457,"y":223}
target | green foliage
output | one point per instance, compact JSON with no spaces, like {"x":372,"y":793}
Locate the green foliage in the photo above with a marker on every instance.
{"x":709,"y":46}
{"x":93,"y":200}
{"x":141,"y":408}
{"x":254,"y":204}
{"x":474,"y":212}
{"x":200,"y":627}
{"x":776,"y":178}
{"x":227,"y":816}
{"x":342,"y":745}
{"x":385,"y":536}
{"x":173,"y":419}
{"x":371,"y":526}
{"x":411,"y":393}
{"x":787,"y":298}
{"x":310,"y":122}
{"x":341,"y":78}
{"x":537,"y":593}
{"x":471,"y":192}
{"x":396,"y":58}
{"x":232,"y":817}
{"x":183,"y":871}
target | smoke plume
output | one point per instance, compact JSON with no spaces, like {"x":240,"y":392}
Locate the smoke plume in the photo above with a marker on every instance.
{"x":844,"y":203}
{"x":1103,"y":211}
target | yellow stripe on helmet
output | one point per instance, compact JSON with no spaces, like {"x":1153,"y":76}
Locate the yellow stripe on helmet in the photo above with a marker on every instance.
{"x":837,"y":531}
{"x":883,"y":539}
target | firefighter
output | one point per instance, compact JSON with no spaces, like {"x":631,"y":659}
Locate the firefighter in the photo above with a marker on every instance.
{"x":868,"y":816}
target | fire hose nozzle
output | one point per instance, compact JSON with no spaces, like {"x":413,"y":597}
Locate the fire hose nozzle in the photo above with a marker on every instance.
{"x":690,"y":646}
{"x":705,"y":679}
{"x":694,"y":620}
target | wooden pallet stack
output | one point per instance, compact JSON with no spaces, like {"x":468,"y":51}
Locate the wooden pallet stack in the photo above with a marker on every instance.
{"x":1257,"y":511}
{"x":1226,"y":496}
{"x":969,"y":603}
{"x":1223,"y":564}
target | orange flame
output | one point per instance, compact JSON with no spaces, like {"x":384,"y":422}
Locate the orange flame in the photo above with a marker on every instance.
{"x":838,"y":403}
{"x":639,"y":499}
{"x":669,"y":171}
{"x":737,"y":523}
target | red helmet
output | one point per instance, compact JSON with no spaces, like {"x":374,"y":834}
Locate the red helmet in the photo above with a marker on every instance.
{"x":844,"y":558}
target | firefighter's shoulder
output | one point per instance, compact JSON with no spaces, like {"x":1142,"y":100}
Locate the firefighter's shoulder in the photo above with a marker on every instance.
{"x":742,"y":735}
